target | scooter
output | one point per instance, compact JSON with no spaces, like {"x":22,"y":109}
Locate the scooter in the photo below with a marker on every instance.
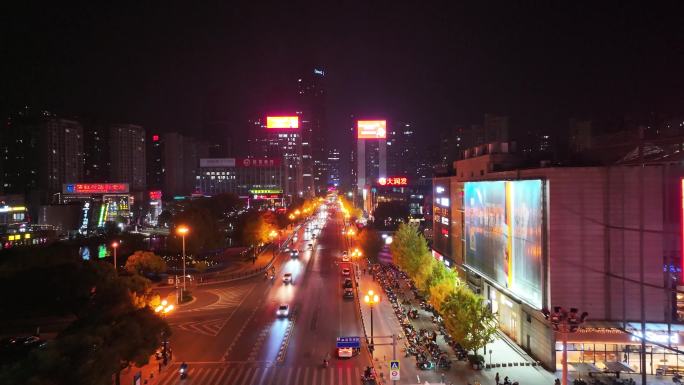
{"x":325,"y":363}
{"x":183,"y":372}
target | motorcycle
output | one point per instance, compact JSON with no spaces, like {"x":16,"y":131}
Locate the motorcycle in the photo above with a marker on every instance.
{"x":183,"y":371}
{"x":325,"y":363}
{"x":425,"y":365}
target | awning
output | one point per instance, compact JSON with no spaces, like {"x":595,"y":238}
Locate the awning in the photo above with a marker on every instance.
{"x":616,"y":366}
{"x":585,"y":367}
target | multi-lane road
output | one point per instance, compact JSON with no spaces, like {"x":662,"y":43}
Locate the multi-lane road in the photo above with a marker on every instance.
{"x":231,"y":334}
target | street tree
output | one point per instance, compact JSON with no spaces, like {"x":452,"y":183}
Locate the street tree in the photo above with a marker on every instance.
{"x":371,"y":243}
{"x":145,"y":262}
{"x":468,"y":320}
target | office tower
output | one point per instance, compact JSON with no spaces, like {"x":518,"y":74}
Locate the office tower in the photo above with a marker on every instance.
{"x":155,"y":166}
{"x":402,"y":156}
{"x":180,"y":159}
{"x":311,"y":98}
{"x":62,"y":154}
{"x":96,"y":154}
{"x":371,"y":152}
{"x":334,"y":164}
{"x":281,"y":137}
{"x":127,"y":155}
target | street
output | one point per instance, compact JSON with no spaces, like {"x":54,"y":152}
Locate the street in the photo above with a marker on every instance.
{"x":231,"y":335}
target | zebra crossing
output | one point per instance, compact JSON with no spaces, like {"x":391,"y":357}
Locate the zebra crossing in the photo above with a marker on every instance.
{"x":240,"y":374}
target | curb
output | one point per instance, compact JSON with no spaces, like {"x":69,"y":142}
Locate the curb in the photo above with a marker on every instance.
{"x":286,"y":340}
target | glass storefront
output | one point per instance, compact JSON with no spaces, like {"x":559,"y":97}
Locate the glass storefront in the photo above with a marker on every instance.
{"x":628,"y":352}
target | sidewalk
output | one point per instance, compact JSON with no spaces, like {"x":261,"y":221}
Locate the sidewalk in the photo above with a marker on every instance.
{"x":386,"y":323}
{"x":149,"y":374}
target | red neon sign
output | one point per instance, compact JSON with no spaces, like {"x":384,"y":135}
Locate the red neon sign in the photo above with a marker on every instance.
{"x":393,"y":181}
{"x":96,"y":188}
{"x":155,"y":138}
{"x":282,"y":122}
{"x":155,"y":195}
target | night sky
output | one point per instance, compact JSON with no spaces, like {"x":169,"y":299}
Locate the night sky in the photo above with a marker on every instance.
{"x":173,"y":68}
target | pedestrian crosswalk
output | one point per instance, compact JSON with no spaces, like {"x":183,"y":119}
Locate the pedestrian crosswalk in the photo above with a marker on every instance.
{"x":240,"y":374}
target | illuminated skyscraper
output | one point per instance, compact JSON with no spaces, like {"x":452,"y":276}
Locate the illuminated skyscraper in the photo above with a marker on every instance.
{"x":127,"y":155}
{"x":311,"y":98}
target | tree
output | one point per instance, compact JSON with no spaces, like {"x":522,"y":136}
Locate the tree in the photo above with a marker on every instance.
{"x":109,"y":331}
{"x":253,"y":228}
{"x":443,"y":283}
{"x":371,"y":243}
{"x":389,"y":215}
{"x":142,"y":262}
{"x":468,"y":320}
{"x":409,"y":248}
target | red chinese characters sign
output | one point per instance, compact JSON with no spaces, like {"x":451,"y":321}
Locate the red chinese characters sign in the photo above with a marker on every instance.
{"x":155,"y":195}
{"x":393,"y":181}
{"x":95,"y":188}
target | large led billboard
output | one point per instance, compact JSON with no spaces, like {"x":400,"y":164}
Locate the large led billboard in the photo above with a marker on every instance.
{"x":503,"y":228}
{"x":371,"y":129}
{"x":282,"y":122}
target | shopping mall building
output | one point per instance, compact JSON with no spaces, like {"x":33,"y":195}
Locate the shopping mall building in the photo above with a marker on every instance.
{"x":606,"y":240}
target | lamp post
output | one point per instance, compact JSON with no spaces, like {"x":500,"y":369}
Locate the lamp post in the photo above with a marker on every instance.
{"x":115,"y":245}
{"x":371,"y":299}
{"x":182,"y":230}
{"x":164,"y":308}
{"x":564,"y":322}
{"x":273,"y":234}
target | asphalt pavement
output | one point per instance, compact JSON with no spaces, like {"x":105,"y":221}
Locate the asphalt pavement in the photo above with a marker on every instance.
{"x":231,"y":335}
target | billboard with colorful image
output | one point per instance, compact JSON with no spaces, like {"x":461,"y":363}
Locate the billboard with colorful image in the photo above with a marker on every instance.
{"x":282,"y":122}
{"x":503,"y":231}
{"x":371,"y":129}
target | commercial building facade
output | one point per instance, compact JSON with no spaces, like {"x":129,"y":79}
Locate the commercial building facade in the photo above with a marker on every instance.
{"x":605,"y":240}
{"x":249,"y":178}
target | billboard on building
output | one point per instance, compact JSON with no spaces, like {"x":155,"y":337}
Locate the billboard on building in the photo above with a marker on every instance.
{"x":371,"y":129}
{"x":95,"y":188}
{"x":288,"y":122}
{"x":258,"y":162}
{"x":503,"y":225}
{"x":217,"y":162}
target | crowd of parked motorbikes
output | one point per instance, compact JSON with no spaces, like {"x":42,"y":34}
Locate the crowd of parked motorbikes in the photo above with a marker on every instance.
{"x":421,"y":343}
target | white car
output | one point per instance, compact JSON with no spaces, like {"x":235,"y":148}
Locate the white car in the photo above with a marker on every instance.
{"x":283,"y":310}
{"x":346,"y":271}
{"x":287,"y":278}
{"x":345,"y":258}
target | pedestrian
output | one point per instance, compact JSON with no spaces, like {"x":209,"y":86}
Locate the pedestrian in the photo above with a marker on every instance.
{"x":496,"y":378}
{"x":506,"y":381}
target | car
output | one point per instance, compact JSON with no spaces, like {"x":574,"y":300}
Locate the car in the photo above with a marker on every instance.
{"x":283,"y":310}
{"x":294,"y":253}
{"x":310,"y":245}
{"x":344,"y":253}
{"x":346,"y":271}
{"x":287,"y":278}
{"x":347,"y":283}
{"x":348,"y":293}
{"x":345,"y":258}
{"x":345,"y":352}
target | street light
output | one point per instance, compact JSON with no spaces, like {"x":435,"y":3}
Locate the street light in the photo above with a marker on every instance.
{"x":273,"y":234}
{"x":115,"y":245}
{"x":564,"y":322}
{"x":163,"y":309}
{"x":182,"y":230}
{"x":371,"y":299}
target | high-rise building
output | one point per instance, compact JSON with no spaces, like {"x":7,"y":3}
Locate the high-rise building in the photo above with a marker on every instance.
{"x":96,"y":153}
{"x":311,"y":105}
{"x":334,"y":164}
{"x":281,"y":137}
{"x":63,"y":152}
{"x":20,"y":154}
{"x":402,"y":157}
{"x":127,"y":155}
{"x":155,"y":166}
{"x":180,"y":159}
{"x":371,"y":157}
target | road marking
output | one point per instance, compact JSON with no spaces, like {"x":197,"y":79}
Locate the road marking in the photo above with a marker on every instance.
{"x":315,"y":374}
{"x":209,"y":328}
{"x":227,"y":297}
{"x":211,"y":378}
{"x":289,"y":375}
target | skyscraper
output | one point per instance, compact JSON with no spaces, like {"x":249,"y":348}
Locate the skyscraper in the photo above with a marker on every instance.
{"x":63,"y":151}
{"x":371,"y":152}
{"x":402,"y":156}
{"x":180,"y":159}
{"x":155,"y":166}
{"x":311,"y":97}
{"x":281,"y":137}
{"x":96,"y":153}
{"x":334,"y":165}
{"x":127,"y":155}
